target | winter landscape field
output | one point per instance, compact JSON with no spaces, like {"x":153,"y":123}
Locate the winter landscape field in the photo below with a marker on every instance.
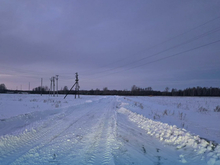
{"x":114,"y":130}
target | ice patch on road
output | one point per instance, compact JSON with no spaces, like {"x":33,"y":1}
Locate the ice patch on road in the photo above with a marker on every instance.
{"x":173,"y":136}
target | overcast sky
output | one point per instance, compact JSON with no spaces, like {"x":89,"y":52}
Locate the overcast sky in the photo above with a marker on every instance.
{"x":110,"y":43}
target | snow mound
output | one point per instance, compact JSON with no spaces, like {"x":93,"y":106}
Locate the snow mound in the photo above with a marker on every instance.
{"x":173,"y":136}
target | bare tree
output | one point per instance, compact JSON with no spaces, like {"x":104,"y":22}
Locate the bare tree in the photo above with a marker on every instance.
{"x":134,"y":88}
{"x":167,"y":89}
{"x":2,"y":87}
{"x":148,"y":89}
{"x":105,"y":89}
{"x":65,"y":88}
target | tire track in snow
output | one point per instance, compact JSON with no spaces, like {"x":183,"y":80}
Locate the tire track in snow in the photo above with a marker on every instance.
{"x":101,"y":150}
{"x":13,"y":147}
{"x":93,"y":149}
{"x":52,"y":142}
{"x":105,"y":140}
{"x":80,"y":147}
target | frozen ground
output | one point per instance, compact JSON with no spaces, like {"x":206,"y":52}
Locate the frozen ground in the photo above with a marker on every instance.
{"x":42,"y":130}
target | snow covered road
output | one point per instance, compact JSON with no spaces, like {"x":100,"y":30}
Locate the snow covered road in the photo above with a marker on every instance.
{"x":99,"y":130}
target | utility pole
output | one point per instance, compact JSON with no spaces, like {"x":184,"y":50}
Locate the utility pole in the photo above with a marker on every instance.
{"x":29,"y":86}
{"x":57,"y":84}
{"x":41,"y":85}
{"x":53,"y":86}
{"x":51,"y":79}
{"x":77,"y":85}
{"x":76,"y":88}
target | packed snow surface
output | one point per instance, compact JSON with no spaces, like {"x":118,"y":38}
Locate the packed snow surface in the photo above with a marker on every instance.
{"x":114,"y":130}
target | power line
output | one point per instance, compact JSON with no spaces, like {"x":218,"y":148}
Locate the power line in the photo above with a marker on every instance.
{"x":158,"y":44}
{"x":176,"y":54}
{"x":175,"y":46}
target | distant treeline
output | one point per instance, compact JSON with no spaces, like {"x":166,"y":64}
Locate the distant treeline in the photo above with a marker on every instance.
{"x":135,"y":91}
{"x":196,"y":91}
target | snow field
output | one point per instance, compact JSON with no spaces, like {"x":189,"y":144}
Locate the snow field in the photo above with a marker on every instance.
{"x":112,"y":130}
{"x":21,"y":104}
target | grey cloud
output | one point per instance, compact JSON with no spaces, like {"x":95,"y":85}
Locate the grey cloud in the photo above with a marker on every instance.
{"x":42,"y":38}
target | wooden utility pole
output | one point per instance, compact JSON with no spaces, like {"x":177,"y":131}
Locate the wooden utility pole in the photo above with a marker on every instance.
{"x":76,"y":88}
{"x":41,"y":85}
{"x":53,"y":86}
{"x":50,"y":93}
{"x":57,"y":84}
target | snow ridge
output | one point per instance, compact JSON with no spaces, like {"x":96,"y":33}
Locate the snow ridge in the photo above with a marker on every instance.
{"x":173,"y":136}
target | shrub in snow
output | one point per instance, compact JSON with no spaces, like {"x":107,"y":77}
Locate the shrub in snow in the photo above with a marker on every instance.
{"x":182,"y":116}
{"x":217,"y":109}
{"x":178,"y":105}
{"x":165,"y":112}
{"x":201,"y":109}
{"x":156,"y":116}
{"x":141,"y":106}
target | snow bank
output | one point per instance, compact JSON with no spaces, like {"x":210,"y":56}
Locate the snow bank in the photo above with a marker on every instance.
{"x":173,"y":136}
{"x":195,"y":114}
